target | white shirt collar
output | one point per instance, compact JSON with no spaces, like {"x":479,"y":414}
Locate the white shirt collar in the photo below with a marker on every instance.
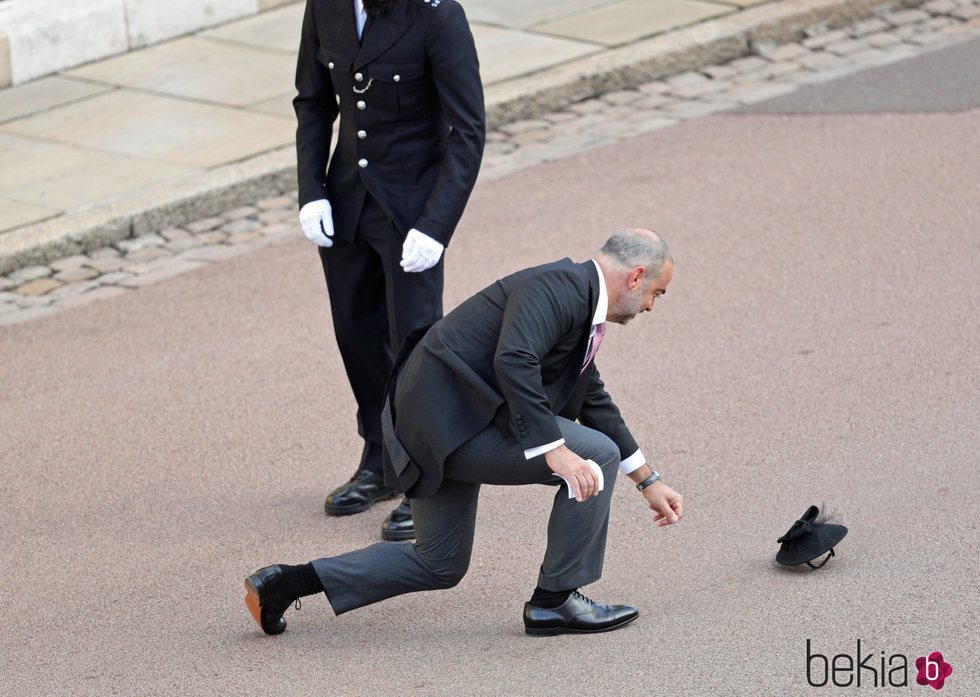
{"x":602,"y":307}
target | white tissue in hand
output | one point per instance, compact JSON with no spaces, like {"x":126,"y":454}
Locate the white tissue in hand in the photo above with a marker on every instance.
{"x":598,"y":474}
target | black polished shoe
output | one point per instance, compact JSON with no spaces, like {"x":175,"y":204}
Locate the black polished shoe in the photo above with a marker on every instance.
{"x":398,"y":525}
{"x":265,"y":599}
{"x":363,"y":490}
{"x":577,"y":615}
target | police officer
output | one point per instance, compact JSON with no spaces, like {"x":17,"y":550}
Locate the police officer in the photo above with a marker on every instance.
{"x":404,"y":79}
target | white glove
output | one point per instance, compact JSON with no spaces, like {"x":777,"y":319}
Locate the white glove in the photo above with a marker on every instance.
{"x":420,"y":252}
{"x":317,"y":222}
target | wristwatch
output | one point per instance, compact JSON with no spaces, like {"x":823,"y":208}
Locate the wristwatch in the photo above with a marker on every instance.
{"x":648,"y":481}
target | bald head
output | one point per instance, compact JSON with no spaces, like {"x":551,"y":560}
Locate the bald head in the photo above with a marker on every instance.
{"x":634,"y":247}
{"x":637,"y":266}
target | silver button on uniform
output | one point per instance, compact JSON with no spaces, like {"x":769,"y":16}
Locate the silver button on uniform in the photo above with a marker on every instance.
{"x":362,"y":163}
{"x":397,"y":78}
{"x":358,"y":76}
{"x":362,"y":134}
{"x":330,"y":65}
{"x":361,"y":105}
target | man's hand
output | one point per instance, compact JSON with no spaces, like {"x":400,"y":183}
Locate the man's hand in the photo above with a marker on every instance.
{"x":576,"y":471}
{"x":420,"y":252}
{"x":666,"y":502}
{"x":317,"y":222}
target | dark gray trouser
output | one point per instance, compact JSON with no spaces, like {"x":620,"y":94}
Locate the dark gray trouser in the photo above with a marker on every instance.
{"x":445,"y":524}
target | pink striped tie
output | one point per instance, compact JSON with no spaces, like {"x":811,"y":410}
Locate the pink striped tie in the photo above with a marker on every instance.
{"x":600,"y":331}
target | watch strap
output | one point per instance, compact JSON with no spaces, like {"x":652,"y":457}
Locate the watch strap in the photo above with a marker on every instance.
{"x":648,"y":481}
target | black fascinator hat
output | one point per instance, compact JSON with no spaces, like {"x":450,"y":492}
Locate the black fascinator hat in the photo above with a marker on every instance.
{"x":809,"y":537}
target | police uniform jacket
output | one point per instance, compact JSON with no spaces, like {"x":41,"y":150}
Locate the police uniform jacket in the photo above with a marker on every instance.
{"x":412,"y":120}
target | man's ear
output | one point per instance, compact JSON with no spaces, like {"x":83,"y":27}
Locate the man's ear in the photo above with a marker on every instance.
{"x":635,"y":277}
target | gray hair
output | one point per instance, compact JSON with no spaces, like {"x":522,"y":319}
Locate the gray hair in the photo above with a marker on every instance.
{"x":634,"y":247}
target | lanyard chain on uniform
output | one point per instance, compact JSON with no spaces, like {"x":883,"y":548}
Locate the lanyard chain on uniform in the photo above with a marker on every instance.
{"x":366,"y":87}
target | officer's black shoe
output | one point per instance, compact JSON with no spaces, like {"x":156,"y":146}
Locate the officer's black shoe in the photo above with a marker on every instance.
{"x":399,"y":525}
{"x":577,"y":615}
{"x":363,"y":490}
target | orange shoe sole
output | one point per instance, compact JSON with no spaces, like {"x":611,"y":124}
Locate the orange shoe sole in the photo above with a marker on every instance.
{"x":252,"y":603}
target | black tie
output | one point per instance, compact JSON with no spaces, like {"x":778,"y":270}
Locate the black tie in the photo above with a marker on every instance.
{"x":367,"y":25}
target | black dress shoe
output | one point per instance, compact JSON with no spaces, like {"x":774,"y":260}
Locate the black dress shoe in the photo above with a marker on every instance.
{"x":265,"y":599}
{"x":577,"y":615}
{"x":363,"y":490}
{"x":398,"y":525}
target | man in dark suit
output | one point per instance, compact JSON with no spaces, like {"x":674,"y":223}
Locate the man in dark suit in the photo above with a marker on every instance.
{"x":404,"y":79}
{"x":504,"y":390}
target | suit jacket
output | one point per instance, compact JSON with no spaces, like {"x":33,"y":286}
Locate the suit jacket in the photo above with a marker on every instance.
{"x":511,"y":355}
{"x":412,"y":121}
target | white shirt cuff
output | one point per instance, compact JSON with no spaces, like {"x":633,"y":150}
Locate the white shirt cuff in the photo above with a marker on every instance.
{"x":633,"y":462}
{"x":542,"y":449}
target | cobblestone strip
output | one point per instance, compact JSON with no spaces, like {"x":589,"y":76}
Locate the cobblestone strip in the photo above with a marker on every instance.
{"x":823,"y":54}
{"x":37,"y":291}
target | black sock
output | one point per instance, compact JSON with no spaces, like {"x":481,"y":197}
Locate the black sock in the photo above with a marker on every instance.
{"x":543,"y":598}
{"x":300,"y":580}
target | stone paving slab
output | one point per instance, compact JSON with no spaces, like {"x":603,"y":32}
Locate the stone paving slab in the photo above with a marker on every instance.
{"x":277,"y":30}
{"x":15,"y":214}
{"x":44,"y":94}
{"x":5,"y":77}
{"x":517,"y":53}
{"x":161,"y":128}
{"x":630,"y":20}
{"x":55,"y":176}
{"x":212,"y":71}
{"x":280,"y":105}
{"x":150,"y":21}
{"x":520,"y":14}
